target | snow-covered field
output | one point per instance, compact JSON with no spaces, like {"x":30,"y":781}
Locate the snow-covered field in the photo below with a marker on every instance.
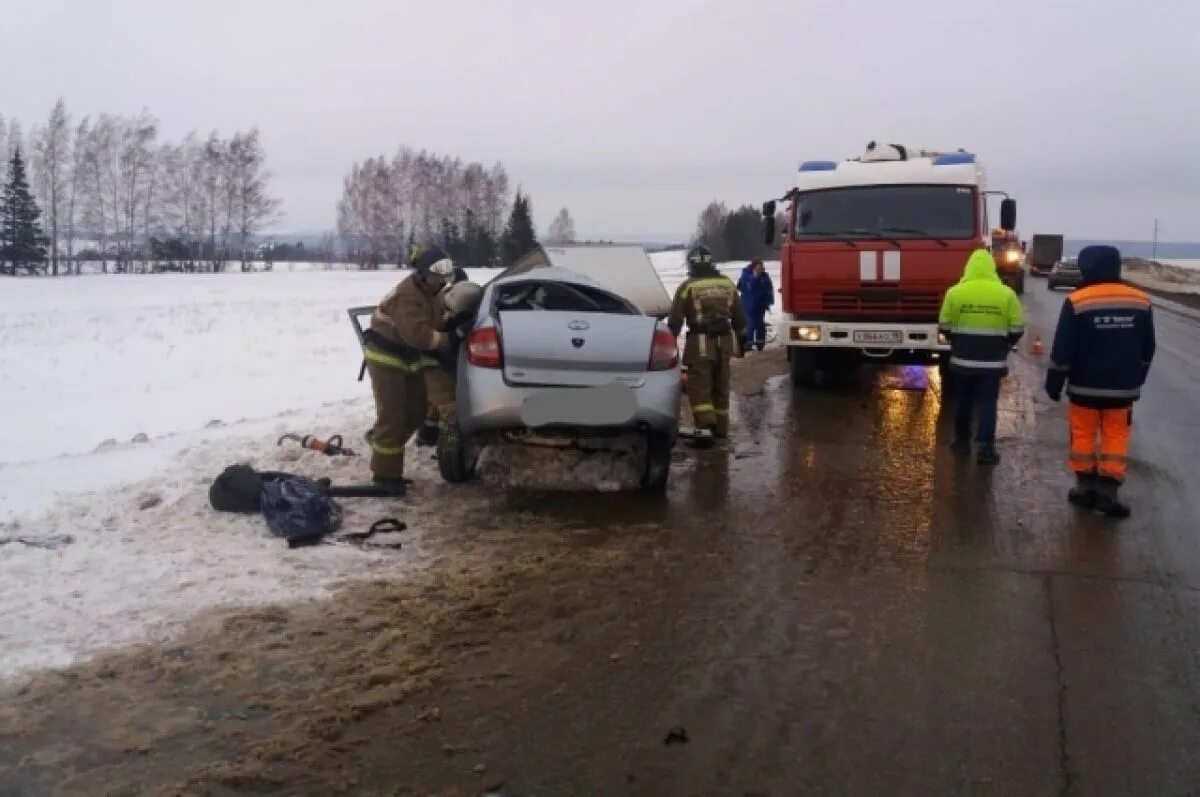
{"x":124,"y":397}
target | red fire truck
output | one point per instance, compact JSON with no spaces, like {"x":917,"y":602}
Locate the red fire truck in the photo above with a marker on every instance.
{"x":870,"y":248}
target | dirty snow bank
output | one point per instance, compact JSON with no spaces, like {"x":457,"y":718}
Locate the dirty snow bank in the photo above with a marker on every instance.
{"x":148,"y":556}
{"x":1178,"y":276}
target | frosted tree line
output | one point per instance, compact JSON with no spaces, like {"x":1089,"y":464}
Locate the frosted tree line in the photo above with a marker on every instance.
{"x":112,"y":192}
{"x":389,"y":204}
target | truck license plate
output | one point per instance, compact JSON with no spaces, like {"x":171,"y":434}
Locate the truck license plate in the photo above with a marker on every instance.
{"x":874,"y":336}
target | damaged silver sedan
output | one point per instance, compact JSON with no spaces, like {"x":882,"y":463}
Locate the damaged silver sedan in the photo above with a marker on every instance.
{"x":558,"y":358}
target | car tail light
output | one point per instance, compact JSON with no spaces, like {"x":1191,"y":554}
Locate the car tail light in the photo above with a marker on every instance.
{"x":664,"y":351}
{"x":483,"y":348}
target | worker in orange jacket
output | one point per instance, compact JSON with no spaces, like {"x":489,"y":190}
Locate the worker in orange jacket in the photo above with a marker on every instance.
{"x":1102,"y":352}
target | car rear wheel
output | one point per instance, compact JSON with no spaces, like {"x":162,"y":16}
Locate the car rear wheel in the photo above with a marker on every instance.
{"x":658,"y":462}
{"x":456,"y":457}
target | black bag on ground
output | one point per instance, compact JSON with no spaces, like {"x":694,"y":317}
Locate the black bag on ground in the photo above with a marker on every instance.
{"x":299,"y":509}
{"x":239,"y":488}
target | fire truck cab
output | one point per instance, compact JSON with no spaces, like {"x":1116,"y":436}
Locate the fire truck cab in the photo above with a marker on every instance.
{"x":870,"y":247}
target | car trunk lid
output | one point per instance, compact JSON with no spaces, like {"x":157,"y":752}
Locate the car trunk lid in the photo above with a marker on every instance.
{"x":575,"y":349}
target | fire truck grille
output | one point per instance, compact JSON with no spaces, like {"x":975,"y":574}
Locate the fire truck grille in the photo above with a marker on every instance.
{"x":875,"y":301}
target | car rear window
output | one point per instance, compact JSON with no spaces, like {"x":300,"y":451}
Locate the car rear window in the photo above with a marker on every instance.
{"x":560,"y":296}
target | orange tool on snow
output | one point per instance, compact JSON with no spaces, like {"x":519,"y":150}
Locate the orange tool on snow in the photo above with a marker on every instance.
{"x":332,"y":447}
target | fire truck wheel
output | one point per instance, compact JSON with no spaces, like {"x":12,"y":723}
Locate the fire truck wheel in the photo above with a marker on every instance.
{"x":803,"y":367}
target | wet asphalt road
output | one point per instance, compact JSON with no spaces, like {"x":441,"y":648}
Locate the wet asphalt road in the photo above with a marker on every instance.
{"x":854,"y":610}
{"x":834,"y":605}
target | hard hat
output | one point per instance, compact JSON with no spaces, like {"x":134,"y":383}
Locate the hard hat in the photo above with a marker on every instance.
{"x":434,"y":261}
{"x":462,"y":297}
{"x":699,"y":255}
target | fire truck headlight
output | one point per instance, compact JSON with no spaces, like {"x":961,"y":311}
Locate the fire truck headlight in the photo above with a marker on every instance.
{"x":943,"y":340}
{"x":808,"y":334}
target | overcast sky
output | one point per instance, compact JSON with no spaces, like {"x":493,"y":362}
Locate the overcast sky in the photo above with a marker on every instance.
{"x":636,"y":114}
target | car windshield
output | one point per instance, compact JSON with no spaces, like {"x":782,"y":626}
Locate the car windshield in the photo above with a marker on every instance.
{"x":538,"y":295}
{"x":892,"y":211}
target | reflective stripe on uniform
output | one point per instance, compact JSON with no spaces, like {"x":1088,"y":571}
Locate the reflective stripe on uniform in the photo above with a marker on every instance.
{"x":1001,"y":333}
{"x":1108,"y":305}
{"x":1059,"y":366}
{"x":1108,"y":296}
{"x":386,"y":451}
{"x":706,"y":282}
{"x":721,"y":411}
{"x":1100,"y":392}
{"x":702,"y":408}
{"x":390,"y":360}
{"x":984,"y":364}
{"x":1113,"y":458}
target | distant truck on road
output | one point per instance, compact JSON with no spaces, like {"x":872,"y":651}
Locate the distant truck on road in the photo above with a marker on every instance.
{"x":1009,"y":254}
{"x":870,"y":248}
{"x":1044,"y":251}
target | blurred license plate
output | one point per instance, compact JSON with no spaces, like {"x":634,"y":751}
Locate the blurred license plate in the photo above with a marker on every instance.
{"x":607,"y":405}
{"x":872,"y":336}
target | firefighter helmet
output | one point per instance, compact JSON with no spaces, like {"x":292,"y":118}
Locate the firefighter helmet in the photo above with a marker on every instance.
{"x":699,"y":257}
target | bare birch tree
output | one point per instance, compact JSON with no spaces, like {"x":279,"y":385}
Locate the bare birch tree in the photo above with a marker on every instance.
{"x":249,"y":179}
{"x":76,"y":187}
{"x":51,"y":155}
{"x":562,"y":229}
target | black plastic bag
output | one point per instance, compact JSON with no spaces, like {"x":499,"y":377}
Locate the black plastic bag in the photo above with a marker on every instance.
{"x":299,"y":510}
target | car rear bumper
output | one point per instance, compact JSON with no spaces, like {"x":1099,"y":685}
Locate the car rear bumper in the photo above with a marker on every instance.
{"x":487,"y":403}
{"x":1073,"y":281}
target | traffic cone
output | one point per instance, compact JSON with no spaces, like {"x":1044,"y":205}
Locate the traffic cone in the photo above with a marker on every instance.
{"x":1037,"y":346}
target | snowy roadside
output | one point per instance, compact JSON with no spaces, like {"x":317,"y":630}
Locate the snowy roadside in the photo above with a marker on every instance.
{"x":205,"y":371}
{"x":1172,"y":277}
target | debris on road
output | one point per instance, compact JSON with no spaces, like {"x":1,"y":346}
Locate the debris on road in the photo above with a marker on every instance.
{"x":677,"y":735}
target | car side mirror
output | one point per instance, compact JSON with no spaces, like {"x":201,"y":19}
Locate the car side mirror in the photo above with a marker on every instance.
{"x":1008,"y":215}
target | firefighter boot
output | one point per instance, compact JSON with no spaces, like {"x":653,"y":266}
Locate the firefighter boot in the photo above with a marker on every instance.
{"x":1084,"y":492}
{"x":396,"y":488}
{"x":988,"y":456}
{"x":1107,"y":500}
{"x":703,"y":439}
{"x":721,"y":432}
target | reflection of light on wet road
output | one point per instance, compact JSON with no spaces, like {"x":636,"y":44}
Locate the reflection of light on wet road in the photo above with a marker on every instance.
{"x":902,"y":468}
{"x":907,"y":377}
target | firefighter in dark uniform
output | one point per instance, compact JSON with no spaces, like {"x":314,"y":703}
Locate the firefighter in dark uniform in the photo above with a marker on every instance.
{"x":708,"y":301}
{"x":404,"y":349}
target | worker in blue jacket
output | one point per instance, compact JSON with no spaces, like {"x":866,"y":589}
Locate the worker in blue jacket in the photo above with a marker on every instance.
{"x":758,"y":295}
{"x":1101,"y":356}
